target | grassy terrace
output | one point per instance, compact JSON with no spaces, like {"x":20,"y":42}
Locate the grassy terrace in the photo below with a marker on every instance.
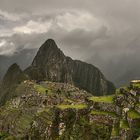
{"x":40,"y":88}
{"x":136,"y":85}
{"x":103,"y":99}
{"x":138,"y":105}
{"x":118,"y":92}
{"x":124,"y":124}
{"x":95,"y":112}
{"x":77,"y":106}
{"x":46,"y":109}
{"x":133,"y":114}
{"x":24,"y":122}
{"x":115,"y":131}
{"x":127,"y":89}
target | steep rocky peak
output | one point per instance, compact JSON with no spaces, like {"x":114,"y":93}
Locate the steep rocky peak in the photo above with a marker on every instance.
{"x":49,"y":45}
{"x":48,"y":51}
{"x":50,"y":63}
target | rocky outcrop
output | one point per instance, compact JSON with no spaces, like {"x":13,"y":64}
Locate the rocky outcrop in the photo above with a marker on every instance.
{"x":51,"y":64}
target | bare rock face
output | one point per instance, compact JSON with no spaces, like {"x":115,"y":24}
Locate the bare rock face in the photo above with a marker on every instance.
{"x":51,"y":64}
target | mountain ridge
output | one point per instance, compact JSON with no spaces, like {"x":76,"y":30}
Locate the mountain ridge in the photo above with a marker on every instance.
{"x":36,"y":107}
{"x":51,"y":64}
{"x":57,"y":67}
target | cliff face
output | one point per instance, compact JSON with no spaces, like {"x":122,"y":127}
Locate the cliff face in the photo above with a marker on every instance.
{"x":50,"y":63}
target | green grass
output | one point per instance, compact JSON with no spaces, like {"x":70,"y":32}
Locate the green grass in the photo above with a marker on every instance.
{"x":10,"y":138}
{"x":118,"y":92}
{"x":97,"y":112}
{"x":138,"y":105}
{"x":127,"y":89}
{"x":40,"y":89}
{"x":133,"y":114}
{"x":77,"y":106}
{"x":68,"y":100}
{"x":3,"y":135}
{"x":24,"y":122}
{"x":46,"y":109}
{"x":124,"y":124}
{"x":136,"y":85}
{"x":136,"y":131}
{"x":103,"y":99}
{"x":115,"y":131}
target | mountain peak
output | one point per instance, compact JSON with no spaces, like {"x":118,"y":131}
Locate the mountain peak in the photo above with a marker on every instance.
{"x":13,"y":74}
{"x":50,"y":40}
{"x":48,"y":51}
{"x":14,"y":66}
{"x":12,"y":78}
{"x":13,"y":69}
{"x":51,"y":64}
{"x":49,"y":44}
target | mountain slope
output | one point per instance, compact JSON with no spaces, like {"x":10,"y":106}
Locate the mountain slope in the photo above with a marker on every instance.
{"x":22,"y":57}
{"x":50,"y":63}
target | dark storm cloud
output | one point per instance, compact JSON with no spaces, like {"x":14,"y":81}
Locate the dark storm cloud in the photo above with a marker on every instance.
{"x":104,"y":33}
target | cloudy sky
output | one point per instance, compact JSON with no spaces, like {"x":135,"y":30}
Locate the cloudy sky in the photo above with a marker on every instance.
{"x":105,"y":33}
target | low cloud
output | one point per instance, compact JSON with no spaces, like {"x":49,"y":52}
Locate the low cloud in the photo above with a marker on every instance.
{"x":78,"y":20}
{"x":10,"y":16}
{"x":69,"y":28}
{"x":33,"y":27}
{"x":7,"y":48}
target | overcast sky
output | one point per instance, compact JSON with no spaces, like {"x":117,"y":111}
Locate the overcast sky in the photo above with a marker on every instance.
{"x":105,"y":33}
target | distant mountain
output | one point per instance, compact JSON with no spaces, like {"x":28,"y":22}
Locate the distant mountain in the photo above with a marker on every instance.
{"x":22,"y":58}
{"x":12,"y":78}
{"x":51,"y":64}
